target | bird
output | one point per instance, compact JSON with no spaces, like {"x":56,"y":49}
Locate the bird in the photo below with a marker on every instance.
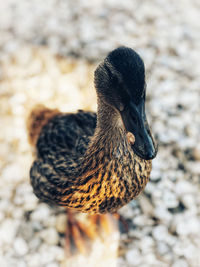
{"x":96,"y":162}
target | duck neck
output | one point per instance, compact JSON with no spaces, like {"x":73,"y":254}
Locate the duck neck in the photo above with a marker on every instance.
{"x":108,"y":138}
{"x":108,"y":118}
{"x":109,"y":175}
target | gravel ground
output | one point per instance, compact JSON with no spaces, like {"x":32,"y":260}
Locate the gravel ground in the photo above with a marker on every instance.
{"x":48,"y":52}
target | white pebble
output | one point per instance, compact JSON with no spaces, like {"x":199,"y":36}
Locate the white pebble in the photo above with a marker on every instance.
{"x":42,"y":213}
{"x":188,"y":226}
{"x":20,"y":246}
{"x":133,"y":257}
{"x":50,"y":236}
{"x":170,"y":199}
{"x":183,"y":187}
{"x":189,"y":202}
{"x":30,"y":202}
{"x":147,"y":244}
{"x":180,"y":263}
{"x":162,"y":248}
{"x":52,"y":264}
{"x":61,"y":222}
{"x":160,"y":232}
{"x":8,"y":230}
{"x":34,"y":243}
{"x":12,"y":173}
{"x":163,"y":214}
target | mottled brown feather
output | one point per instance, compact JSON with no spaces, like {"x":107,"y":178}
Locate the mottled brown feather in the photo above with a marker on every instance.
{"x":85,"y":161}
{"x":38,"y":117}
{"x":103,"y":178}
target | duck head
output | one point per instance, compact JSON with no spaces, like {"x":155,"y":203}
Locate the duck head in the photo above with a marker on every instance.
{"x":120,"y":82}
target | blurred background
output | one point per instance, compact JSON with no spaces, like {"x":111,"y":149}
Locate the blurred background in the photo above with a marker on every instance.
{"x":48,"y":52}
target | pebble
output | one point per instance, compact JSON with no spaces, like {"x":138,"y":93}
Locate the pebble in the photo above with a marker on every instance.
{"x":8,"y":231}
{"x":34,"y":259}
{"x":42,"y":213}
{"x":163,"y":214}
{"x":133,"y":257}
{"x":189,"y":202}
{"x":52,"y":264}
{"x":190,"y":252}
{"x":12,"y":173}
{"x":196,"y":153}
{"x":147,"y":244}
{"x":61,"y":223}
{"x":146,"y":205}
{"x":183,"y":188}
{"x":160,"y":232}
{"x":170,"y":199}
{"x":26,"y":230}
{"x":162,"y":248}
{"x":155,"y":175}
{"x":50,"y":236}
{"x":20,"y":246}
{"x":180,"y":263}
{"x":35,"y":243}
{"x":191,"y":225}
{"x":30,"y":202}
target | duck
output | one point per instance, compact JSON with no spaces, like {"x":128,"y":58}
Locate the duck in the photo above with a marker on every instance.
{"x":96,"y":162}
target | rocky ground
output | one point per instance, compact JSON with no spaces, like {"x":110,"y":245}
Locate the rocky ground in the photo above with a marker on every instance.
{"x":48,"y":52}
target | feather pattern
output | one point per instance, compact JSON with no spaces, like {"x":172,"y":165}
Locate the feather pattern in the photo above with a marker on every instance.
{"x":86,"y":161}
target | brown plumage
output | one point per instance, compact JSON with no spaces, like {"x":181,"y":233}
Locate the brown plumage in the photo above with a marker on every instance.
{"x":38,"y":117}
{"x":96,"y":163}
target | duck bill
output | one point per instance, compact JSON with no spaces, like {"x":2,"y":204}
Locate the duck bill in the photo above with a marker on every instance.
{"x":134,"y":119}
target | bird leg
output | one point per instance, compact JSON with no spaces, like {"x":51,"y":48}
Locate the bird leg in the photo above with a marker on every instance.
{"x":79,"y":234}
{"x":105,"y":222}
{"x":121,"y":220}
{"x":75,"y":234}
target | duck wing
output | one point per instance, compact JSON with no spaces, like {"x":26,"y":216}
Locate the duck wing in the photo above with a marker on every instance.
{"x":67,"y":134}
{"x":60,"y":137}
{"x":60,"y":141}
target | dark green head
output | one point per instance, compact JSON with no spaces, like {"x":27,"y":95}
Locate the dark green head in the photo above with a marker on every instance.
{"x":120,"y":82}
